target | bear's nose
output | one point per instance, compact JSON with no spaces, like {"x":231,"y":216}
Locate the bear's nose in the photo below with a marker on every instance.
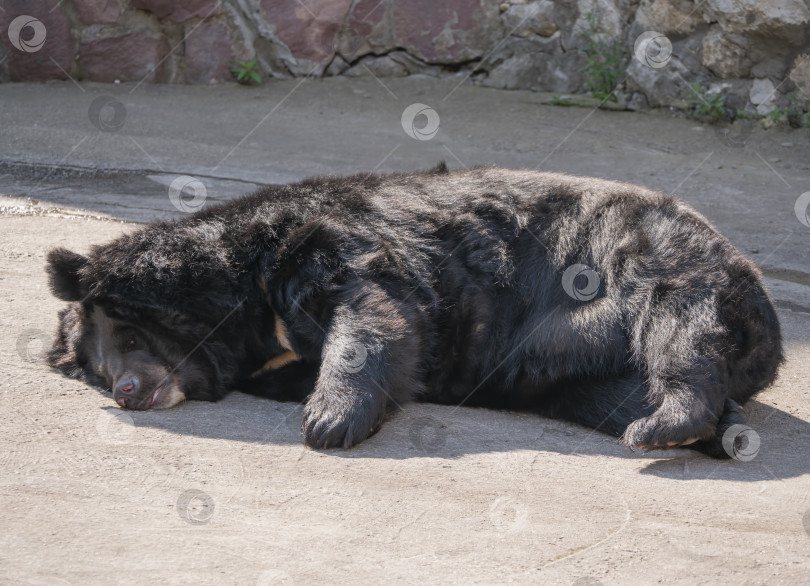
{"x":126,"y":385}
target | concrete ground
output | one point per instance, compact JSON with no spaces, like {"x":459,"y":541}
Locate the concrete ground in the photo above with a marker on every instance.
{"x":226,"y":493}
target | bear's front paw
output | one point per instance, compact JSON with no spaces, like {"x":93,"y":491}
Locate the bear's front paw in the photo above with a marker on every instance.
{"x":339,"y":419}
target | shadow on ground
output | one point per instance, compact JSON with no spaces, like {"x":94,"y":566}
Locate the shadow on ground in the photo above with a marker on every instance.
{"x":438,"y":431}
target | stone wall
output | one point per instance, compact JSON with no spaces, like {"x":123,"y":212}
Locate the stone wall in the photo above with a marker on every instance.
{"x":755,"y":52}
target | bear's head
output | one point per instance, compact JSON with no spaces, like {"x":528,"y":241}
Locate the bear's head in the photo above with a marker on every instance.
{"x":147,"y":357}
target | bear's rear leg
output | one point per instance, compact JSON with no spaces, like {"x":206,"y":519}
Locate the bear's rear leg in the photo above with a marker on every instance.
{"x":682,"y":348}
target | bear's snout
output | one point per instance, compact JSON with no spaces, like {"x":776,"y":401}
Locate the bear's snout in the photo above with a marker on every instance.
{"x":126,"y":389}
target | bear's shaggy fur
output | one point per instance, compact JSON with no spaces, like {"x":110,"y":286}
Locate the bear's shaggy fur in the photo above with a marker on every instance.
{"x":600,"y":302}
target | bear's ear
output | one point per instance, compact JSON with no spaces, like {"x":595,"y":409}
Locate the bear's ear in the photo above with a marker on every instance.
{"x":63,"y":270}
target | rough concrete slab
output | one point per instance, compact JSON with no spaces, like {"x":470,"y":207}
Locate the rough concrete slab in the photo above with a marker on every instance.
{"x":94,"y":495}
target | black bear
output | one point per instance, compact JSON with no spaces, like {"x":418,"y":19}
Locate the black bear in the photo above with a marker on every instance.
{"x":595,"y":301}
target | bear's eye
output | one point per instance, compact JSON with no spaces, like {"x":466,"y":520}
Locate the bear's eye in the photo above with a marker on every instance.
{"x":128,"y":341}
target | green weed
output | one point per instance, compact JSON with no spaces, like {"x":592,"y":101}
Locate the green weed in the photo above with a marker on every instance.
{"x":247,"y":72}
{"x":706,"y":106}
{"x":604,"y":62}
{"x":794,"y":114}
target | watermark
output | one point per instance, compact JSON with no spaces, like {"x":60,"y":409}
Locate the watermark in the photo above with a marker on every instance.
{"x":427,"y":434}
{"x":508,"y":515}
{"x":741,"y":442}
{"x":115,"y":427}
{"x":195,"y":507}
{"x":735,"y":135}
{"x":806,"y":522}
{"x":188,"y":186}
{"x":581,"y":282}
{"x":802,"y":208}
{"x":653,"y":49}
{"x":107,"y":114}
{"x":33,"y":345}
{"x":586,"y":581}
{"x":356,"y":357}
{"x":275,"y":578}
{"x":292,"y":420}
{"x":36,"y":38}
{"x":414,"y":111}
